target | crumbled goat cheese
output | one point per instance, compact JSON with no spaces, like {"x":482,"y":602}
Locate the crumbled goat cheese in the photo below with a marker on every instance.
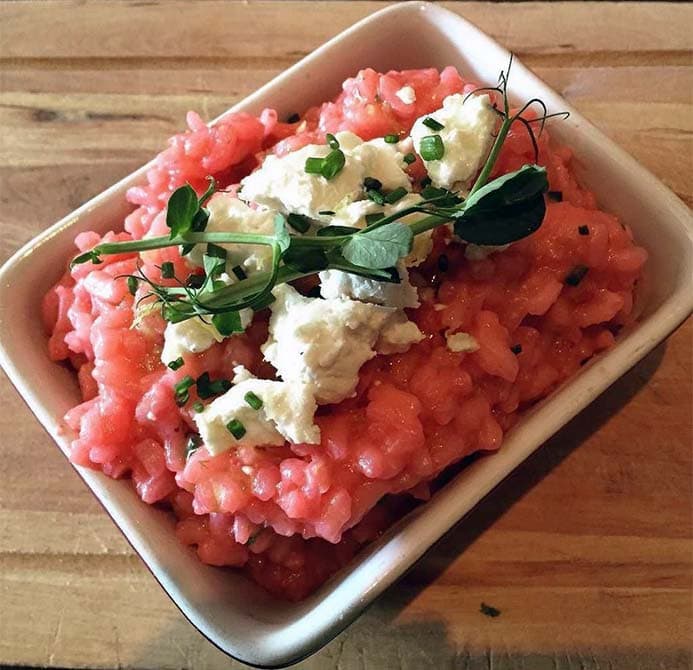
{"x":282,"y":183}
{"x":467,"y":136}
{"x":228,"y":214}
{"x":286,"y":414}
{"x":479,"y":252}
{"x":407,"y":95}
{"x":338,"y":284}
{"x":399,"y":335}
{"x":191,"y":336}
{"x":461,"y":342}
{"x":324,"y":343}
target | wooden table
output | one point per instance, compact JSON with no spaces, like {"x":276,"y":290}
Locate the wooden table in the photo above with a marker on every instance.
{"x":586,"y":551}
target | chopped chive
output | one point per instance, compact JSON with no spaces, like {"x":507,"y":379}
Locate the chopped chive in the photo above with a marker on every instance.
{"x":391,"y":138}
{"x":215,"y":251}
{"x":167,"y":271}
{"x":298,"y":222}
{"x":195,"y":281}
{"x":178,"y":363}
{"x":431,"y":123}
{"x":489,"y":611}
{"x":443,"y":263}
{"x":294,"y":118}
{"x":253,"y":400}
{"x":392,"y":197}
{"x":432,"y":148}
{"x":516,"y":349}
{"x":132,"y":285}
{"x":372,"y":218}
{"x":409,"y":158}
{"x":326,"y":212}
{"x":576,"y":275}
{"x":236,"y":428}
{"x":583,"y":230}
{"x":198,"y":407}
{"x":376,"y":196}
{"x":372,"y":184}
{"x":206,"y":388}
{"x":192,"y":445}
{"x":555,"y":196}
{"x":314,"y":165}
{"x":426,"y":181}
{"x":332,"y":141}
{"x":333,"y":164}
{"x":181,"y":391}
{"x":239,"y":272}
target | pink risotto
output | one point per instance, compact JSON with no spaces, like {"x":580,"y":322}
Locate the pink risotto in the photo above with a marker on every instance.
{"x":292,"y":515}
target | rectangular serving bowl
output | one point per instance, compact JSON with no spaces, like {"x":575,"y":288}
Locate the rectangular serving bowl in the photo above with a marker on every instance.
{"x":233,"y":613}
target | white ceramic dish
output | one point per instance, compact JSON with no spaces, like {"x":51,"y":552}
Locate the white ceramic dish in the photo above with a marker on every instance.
{"x":231,"y":611}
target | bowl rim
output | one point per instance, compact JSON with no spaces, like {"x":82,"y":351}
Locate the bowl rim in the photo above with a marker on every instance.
{"x":671,"y":313}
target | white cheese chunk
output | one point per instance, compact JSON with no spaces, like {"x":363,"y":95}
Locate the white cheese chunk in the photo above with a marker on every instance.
{"x":282,"y":183}
{"x":461,"y":342}
{"x":407,"y":95}
{"x":467,"y":136}
{"x":228,"y":214}
{"x":286,"y":414}
{"x":324,"y":343}
{"x":192,"y":336}
{"x":398,"y":335}
{"x":338,"y":284}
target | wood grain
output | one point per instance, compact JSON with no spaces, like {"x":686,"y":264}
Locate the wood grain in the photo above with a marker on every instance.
{"x":586,"y":549}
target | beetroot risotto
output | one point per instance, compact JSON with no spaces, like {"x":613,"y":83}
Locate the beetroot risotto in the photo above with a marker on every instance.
{"x":304,"y":318}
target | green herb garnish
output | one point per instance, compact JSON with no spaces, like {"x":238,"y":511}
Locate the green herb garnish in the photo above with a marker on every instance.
{"x":178,"y":363}
{"x":298,"y":222}
{"x":329,"y":166}
{"x":391,"y":138}
{"x":253,"y":400}
{"x":372,"y":184}
{"x":181,"y":391}
{"x":393,"y":196}
{"x":583,"y":230}
{"x":409,"y":158}
{"x":555,"y":196}
{"x":167,"y":271}
{"x":489,"y":611}
{"x":576,"y":275}
{"x":193,"y":444}
{"x":208,"y":388}
{"x":236,"y":428}
{"x":133,"y":283}
{"x":198,"y":407}
{"x":516,"y":349}
{"x":431,"y":148}
{"x":431,"y":123}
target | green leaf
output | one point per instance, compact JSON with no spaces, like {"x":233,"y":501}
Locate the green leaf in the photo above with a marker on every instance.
{"x":182,"y":207}
{"x":87,"y":256}
{"x":228,"y":323}
{"x":506,"y":209}
{"x":379,"y":248}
